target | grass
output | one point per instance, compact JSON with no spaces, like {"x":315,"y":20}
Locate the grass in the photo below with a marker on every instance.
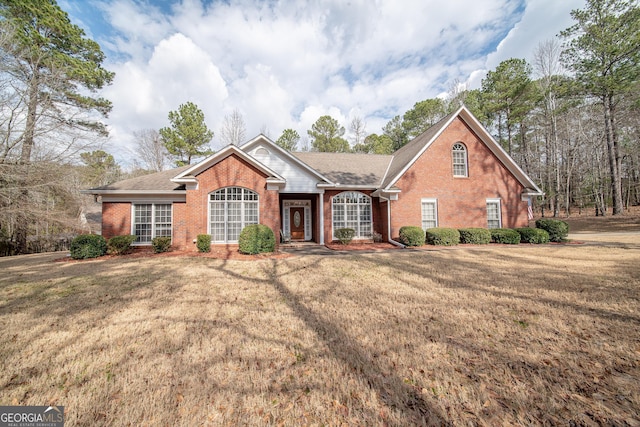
{"x":526,"y":335}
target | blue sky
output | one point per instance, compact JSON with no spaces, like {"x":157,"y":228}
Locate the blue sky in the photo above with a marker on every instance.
{"x":285,"y":63}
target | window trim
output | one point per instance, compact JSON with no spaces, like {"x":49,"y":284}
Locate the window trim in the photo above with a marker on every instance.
{"x":243,"y":223}
{"x":465,"y":159}
{"x":153,"y":220}
{"x":499,"y":203}
{"x":423,"y":201}
{"x":358,"y":235}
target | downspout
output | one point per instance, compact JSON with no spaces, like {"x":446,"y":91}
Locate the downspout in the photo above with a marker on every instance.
{"x":393,"y":242}
{"x":321,"y":214}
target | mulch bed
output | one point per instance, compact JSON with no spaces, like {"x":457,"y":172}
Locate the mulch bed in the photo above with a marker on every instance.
{"x":361,"y":246}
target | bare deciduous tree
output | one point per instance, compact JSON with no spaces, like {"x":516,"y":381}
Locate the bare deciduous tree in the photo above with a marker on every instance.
{"x":151,"y":150}
{"x":358,"y":129}
{"x":233,"y":129}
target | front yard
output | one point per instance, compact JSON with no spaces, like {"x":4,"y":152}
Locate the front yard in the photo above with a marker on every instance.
{"x":494,"y":335}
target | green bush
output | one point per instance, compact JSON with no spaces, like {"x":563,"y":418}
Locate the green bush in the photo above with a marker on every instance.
{"x":88,"y":246}
{"x":345,"y":235}
{"x":533,"y":235}
{"x":475,"y":236}
{"x":410,"y":235}
{"x":443,"y":236}
{"x":558,"y":230}
{"x":256,"y":239}
{"x":203,"y":243}
{"x":119,"y":245}
{"x":505,"y":236}
{"x":161,"y":244}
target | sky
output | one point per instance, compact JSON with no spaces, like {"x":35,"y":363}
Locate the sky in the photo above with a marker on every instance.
{"x":284,"y":63}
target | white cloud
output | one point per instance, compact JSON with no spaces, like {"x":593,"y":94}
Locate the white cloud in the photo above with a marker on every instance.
{"x":284,"y":64}
{"x":143,"y":93}
{"x":542,"y":20}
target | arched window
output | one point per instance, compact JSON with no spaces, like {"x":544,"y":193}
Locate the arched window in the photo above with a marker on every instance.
{"x":352,"y":209}
{"x":230,"y":210}
{"x":459,"y":157}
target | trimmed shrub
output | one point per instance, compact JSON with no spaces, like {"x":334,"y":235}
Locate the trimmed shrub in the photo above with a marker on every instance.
{"x":533,"y":235}
{"x":119,"y":245}
{"x":443,"y":236}
{"x":475,"y":236}
{"x":161,"y":244}
{"x":345,"y":235}
{"x":256,"y":239}
{"x":410,"y":235}
{"x":88,"y":246}
{"x":203,"y":243}
{"x":558,"y":230}
{"x":505,"y":235}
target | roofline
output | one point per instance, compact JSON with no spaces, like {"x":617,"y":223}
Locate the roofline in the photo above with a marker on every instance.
{"x":218,"y":157}
{"x":387,"y":170}
{"x":286,"y":153}
{"x":501,"y":154}
{"x":422,"y":150}
{"x":133,"y":192}
{"x":466,"y":115}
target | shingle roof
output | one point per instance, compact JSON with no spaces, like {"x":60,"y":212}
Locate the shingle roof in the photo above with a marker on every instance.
{"x":159,"y":181}
{"x":408,"y":152}
{"x":348,"y":168}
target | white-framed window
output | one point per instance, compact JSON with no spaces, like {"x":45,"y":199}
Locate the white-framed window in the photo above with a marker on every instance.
{"x":429,"y":213}
{"x":352,"y":209}
{"x":151,"y":220}
{"x":230,"y":210}
{"x":494,"y":216}
{"x":459,"y":159}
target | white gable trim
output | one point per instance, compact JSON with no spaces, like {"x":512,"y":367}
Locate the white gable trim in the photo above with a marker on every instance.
{"x":488,"y":140}
{"x":189,"y":175}
{"x":284,"y":153}
{"x":422,"y":150}
{"x":530,"y":187}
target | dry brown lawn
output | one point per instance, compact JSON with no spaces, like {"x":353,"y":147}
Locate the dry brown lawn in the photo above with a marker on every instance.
{"x":494,"y":335}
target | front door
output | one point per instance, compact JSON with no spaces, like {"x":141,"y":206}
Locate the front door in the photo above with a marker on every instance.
{"x":296,"y":218}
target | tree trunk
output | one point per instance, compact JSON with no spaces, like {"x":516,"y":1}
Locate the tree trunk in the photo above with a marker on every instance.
{"x":22,"y":219}
{"x":613,"y":155}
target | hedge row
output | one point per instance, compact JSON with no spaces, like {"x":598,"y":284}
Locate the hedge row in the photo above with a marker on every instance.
{"x":547,"y":230}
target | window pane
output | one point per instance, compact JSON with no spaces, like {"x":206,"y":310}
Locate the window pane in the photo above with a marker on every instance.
{"x":352,"y":210}
{"x":429,"y":219}
{"x":459,"y":160}
{"x":250,"y":213}
{"x":143,"y":227}
{"x":230,"y":210}
{"x":493,"y":214}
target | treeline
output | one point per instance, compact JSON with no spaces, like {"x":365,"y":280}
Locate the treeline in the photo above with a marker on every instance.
{"x":571,"y":119}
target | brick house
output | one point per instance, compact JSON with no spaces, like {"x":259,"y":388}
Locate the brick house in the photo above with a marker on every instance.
{"x":453,"y":175}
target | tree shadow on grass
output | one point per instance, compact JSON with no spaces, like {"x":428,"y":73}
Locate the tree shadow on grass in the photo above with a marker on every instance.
{"x":391,"y":390}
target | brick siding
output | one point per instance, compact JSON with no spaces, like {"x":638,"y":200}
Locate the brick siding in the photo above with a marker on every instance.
{"x":461,"y":201}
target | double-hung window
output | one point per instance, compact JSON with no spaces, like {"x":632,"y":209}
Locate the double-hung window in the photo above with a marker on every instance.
{"x":230,"y":210}
{"x":429,"y":213}
{"x":494,"y":216}
{"x":151,"y":220}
